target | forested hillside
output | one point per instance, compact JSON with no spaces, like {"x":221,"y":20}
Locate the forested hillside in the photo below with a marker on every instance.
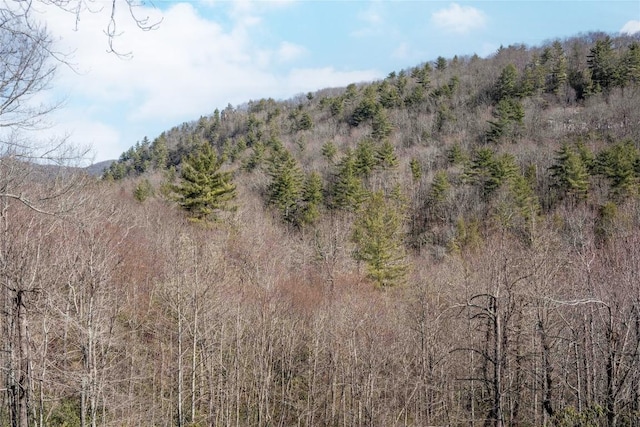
{"x":456,"y":244}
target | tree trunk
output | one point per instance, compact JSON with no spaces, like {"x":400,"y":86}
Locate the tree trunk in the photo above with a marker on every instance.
{"x":180,"y":372}
{"x":24,"y":386}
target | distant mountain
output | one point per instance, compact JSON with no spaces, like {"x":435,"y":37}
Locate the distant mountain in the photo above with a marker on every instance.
{"x":97,"y":169}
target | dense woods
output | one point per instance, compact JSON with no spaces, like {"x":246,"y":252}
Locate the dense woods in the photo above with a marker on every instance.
{"x":456,"y":244}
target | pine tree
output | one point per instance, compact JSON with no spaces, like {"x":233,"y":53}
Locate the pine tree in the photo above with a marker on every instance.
{"x":389,"y":95}
{"x":569,"y":174}
{"x":378,"y":238}
{"x":160,"y":152}
{"x":336,"y":106}
{"x":416,"y":97}
{"x":422,"y":75}
{"x":204,"y":190}
{"x":602,"y":63}
{"x":489,"y":172}
{"x":366,"y":110}
{"x":507,"y":84}
{"x":365,"y":158}
{"x":286,"y":186}
{"x":557,"y":70}
{"x":347,"y":191}
{"x":509,"y":114}
{"x":416,"y":169}
{"x":143,"y":190}
{"x":631,"y":65}
{"x":456,"y":156}
{"x":533,"y":77}
{"x":329,"y":151}
{"x":618,"y":164}
{"x":385,"y":155}
{"x":401,"y":83}
{"x":312,"y":197}
{"x":257,"y":156}
{"x":381,"y":126}
{"x":304,"y":122}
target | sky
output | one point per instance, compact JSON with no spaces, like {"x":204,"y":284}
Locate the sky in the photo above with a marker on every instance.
{"x":207,"y":54}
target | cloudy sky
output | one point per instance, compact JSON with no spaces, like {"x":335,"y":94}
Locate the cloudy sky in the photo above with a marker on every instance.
{"x":206,"y":54}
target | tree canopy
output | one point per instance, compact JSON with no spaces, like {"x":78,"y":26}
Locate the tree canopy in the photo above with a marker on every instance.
{"x":204,"y":190}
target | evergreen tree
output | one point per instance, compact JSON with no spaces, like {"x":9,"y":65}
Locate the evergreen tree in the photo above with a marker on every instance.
{"x":385,"y":155}
{"x":508,"y":110}
{"x":587,"y":156}
{"x":160,"y":152}
{"x":143,"y":190}
{"x":489,"y":172}
{"x":557,"y":77}
{"x":416,"y":97}
{"x":618,"y":164}
{"x":389,"y":95}
{"x":401,"y":83}
{"x":439,"y":188}
{"x":351,"y":93}
{"x":416,"y":169}
{"x":580,"y":81}
{"x":509,"y":114}
{"x":367,"y":109}
{"x":304,"y":122}
{"x":336,"y":106}
{"x":312,"y":198}
{"x":381,"y":126}
{"x":347,"y":191}
{"x":117,"y":170}
{"x":329,"y":151}
{"x":602,"y":63}
{"x":365,"y":158}
{"x":631,"y":65}
{"x":257,"y":156}
{"x":286,"y":186}
{"x":569,"y":174}
{"x":456,"y":156}
{"x":533,"y":77}
{"x":378,"y":238}
{"x":507,"y":85}
{"x":441,"y":63}
{"x":422,"y":75}
{"x":203,"y":189}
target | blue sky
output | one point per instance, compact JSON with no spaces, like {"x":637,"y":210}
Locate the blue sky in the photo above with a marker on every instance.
{"x":208,"y":54}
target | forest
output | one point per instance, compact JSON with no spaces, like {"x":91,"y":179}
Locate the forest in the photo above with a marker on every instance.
{"x":457,"y":244}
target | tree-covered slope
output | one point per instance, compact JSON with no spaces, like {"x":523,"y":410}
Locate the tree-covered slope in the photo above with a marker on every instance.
{"x":499,"y":141}
{"x":457,"y":244}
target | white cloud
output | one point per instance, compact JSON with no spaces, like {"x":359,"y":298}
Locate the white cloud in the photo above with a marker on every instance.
{"x":93,"y":139}
{"x":402,"y":51}
{"x":373,"y":19}
{"x":372,"y":15}
{"x":104,"y":140}
{"x":459,"y":19}
{"x":631,"y":27}
{"x":289,"y":51}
